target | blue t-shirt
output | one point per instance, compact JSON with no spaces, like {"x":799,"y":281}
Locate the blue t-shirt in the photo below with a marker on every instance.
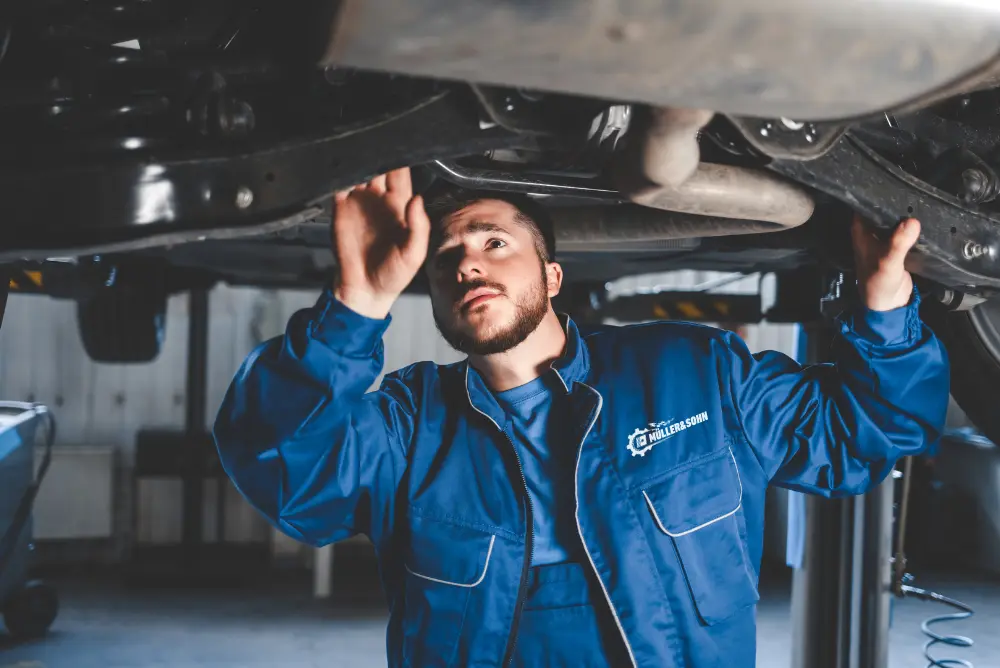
{"x":537,"y":419}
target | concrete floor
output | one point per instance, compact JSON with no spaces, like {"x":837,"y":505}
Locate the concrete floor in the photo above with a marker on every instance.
{"x":110,"y":626}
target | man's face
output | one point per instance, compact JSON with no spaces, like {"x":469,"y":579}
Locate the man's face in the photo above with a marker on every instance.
{"x":489,"y":287}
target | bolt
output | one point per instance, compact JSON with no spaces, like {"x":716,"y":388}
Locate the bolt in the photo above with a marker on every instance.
{"x":810,"y":138}
{"x":765,"y":130}
{"x":973,"y":250}
{"x":244,"y":197}
{"x":795,"y":126}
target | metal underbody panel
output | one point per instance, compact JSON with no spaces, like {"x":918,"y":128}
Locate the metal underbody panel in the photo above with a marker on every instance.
{"x":803,"y":59}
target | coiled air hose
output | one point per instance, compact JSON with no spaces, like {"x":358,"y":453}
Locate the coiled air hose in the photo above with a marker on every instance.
{"x":902,"y":589}
{"x":935,"y":639}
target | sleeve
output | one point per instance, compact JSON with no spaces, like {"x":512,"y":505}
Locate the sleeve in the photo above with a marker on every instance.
{"x":838,"y":429}
{"x":300,"y":438}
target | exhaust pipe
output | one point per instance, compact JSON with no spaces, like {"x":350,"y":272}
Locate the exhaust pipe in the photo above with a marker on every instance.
{"x":665,"y":172}
{"x":669,"y":152}
{"x":636,"y":228}
{"x":730,"y":192}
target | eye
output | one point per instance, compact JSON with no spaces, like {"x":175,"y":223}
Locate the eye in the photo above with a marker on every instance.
{"x":495,"y":243}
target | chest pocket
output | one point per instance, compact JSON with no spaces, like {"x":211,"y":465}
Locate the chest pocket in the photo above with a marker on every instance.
{"x":698,"y":510}
{"x":445,"y":565}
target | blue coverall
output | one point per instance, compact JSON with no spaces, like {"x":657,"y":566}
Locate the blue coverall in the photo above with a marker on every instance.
{"x":678,"y":428}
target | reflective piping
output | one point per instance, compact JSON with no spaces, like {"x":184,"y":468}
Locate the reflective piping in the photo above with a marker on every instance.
{"x":700,"y":526}
{"x":559,"y":376}
{"x":474,"y":405}
{"x":486,"y":567}
{"x":579,"y":528}
{"x":552,"y":366}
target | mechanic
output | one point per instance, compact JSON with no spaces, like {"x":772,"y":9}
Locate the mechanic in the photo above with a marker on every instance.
{"x":560,"y":498}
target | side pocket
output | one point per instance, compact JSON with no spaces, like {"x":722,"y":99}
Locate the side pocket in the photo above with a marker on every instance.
{"x":445,"y":563}
{"x":697,"y":512}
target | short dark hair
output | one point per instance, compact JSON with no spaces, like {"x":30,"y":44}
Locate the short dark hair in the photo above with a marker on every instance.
{"x":529,"y":213}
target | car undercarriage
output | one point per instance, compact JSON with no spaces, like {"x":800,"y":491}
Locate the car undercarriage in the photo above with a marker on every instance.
{"x":154,"y":147}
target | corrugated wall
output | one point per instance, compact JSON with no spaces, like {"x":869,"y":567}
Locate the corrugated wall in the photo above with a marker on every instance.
{"x":42,"y":359}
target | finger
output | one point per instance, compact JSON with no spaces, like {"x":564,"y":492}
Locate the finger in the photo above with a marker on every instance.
{"x":399,"y":183}
{"x":863,"y":232}
{"x":904,"y":237}
{"x":418,"y":223}
{"x":857,"y":230}
{"x":377,"y":185}
{"x":864,"y":241}
{"x":342,"y":195}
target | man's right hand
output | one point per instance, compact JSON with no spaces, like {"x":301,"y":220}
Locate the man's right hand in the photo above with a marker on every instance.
{"x":380,"y":237}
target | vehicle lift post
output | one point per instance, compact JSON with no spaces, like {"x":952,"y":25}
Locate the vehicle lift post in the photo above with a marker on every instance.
{"x":841,"y":595}
{"x":194,"y":428}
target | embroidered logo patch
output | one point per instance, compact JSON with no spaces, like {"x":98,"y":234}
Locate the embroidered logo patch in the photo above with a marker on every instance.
{"x":642,"y":440}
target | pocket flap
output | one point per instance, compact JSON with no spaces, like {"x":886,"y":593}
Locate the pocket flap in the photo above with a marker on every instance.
{"x":448,"y":553}
{"x":697,"y":508}
{"x":698,"y":495}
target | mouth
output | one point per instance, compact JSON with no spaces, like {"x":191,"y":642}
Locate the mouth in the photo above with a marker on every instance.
{"x":476,"y":298}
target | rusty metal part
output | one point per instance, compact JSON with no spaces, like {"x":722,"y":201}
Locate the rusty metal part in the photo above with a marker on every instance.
{"x":727,"y":192}
{"x":788,"y":139}
{"x":669,"y":153}
{"x":596,"y":228}
{"x":802,"y":59}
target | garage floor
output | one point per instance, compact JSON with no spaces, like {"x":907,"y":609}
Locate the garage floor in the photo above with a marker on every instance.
{"x":110,"y":626}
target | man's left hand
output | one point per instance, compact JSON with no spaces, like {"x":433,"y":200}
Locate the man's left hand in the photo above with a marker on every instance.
{"x":883,"y":282}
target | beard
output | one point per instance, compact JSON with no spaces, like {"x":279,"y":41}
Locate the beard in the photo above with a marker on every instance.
{"x":529,"y":311}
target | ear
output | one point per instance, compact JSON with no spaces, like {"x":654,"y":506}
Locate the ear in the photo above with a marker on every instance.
{"x":553,"y":278}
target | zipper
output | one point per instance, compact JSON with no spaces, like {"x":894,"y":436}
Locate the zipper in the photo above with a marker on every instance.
{"x":579,"y":528}
{"x":529,"y":556}
{"x":529,"y":548}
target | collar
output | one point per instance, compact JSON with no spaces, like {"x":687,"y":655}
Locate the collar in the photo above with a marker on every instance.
{"x":571,"y":367}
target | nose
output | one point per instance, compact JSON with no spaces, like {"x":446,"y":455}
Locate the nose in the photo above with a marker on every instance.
{"x":468,"y":267}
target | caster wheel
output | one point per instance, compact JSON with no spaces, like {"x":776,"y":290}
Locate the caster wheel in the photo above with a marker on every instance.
{"x":30,"y":611}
